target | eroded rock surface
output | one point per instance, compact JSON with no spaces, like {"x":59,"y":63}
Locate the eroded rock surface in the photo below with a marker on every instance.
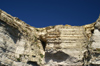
{"x":59,"y":45}
{"x":19,"y":43}
{"x":95,"y":46}
{"x":66,"y":45}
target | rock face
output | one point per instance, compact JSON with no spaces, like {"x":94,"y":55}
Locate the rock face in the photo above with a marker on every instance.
{"x":19,"y":43}
{"x":95,"y":46}
{"x":65,"y":45}
{"x":24,"y":45}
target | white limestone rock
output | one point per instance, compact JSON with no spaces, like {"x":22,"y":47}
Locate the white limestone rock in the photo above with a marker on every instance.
{"x":24,"y":45}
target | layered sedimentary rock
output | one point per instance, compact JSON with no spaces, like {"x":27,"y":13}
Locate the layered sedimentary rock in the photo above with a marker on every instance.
{"x":19,"y":43}
{"x":59,"y":45}
{"x":65,"y":45}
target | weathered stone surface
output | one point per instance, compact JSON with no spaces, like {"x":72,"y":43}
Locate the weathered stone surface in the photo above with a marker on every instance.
{"x":19,"y":43}
{"x":59,"y":45}
{"x":65,"y":45}
{"x":95,"y":46}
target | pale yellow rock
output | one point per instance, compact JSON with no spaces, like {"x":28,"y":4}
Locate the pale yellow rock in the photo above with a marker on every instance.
{"x":59,"y":45}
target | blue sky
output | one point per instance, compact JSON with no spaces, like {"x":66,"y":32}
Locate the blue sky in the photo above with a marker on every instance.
{"x":43,"y":13}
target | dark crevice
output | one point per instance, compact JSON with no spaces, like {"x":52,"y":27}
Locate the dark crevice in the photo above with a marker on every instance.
{"x":32,"y":63}
{"x":94,"y":64}
{"x":33,"y":56}
{"x":92,"y":31}
{"x":43,"y":41}
{"x":43,"y":44}
{"x":4,"y":50}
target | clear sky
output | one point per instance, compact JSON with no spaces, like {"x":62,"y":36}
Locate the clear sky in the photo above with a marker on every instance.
{"x":42,"y":13}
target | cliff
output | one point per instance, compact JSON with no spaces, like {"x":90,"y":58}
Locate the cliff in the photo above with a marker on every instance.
{"x":59,"y":45}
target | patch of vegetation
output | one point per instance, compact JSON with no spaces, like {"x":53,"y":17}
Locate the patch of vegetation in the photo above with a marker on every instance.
{"x":41,"y":55}
{"x":24,"y":30}
{"x":38,"y":46}
{"x":37,"y":30}
{"x":40,"y":61}
{"x":20,"y":55}
{"x":97,"y":49}
{"x":18,"y":59}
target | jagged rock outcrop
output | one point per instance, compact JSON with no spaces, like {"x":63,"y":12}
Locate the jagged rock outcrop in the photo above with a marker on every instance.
{"x":59,"y":45}
{"x":95,"y":45}
{"x":19,"y":43}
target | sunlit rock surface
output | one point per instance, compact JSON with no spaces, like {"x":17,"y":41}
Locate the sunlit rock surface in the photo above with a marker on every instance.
{"x":19,"y":43}
{"x":65,"y":45}
{"x":59,"y":45}
{"x":95,"y":46}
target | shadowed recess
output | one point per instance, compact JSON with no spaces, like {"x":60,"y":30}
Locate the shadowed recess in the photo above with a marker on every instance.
{"x":32,"y":63}
{"x":13,"y":32}
{"x":59,"y":56}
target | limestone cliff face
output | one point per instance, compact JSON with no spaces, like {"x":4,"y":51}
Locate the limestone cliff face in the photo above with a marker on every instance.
{"x":60,"y":45}
{"x":19,"y":43}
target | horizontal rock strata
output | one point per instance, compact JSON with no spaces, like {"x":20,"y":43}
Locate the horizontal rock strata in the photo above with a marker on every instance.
{"x":59,"y":45}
